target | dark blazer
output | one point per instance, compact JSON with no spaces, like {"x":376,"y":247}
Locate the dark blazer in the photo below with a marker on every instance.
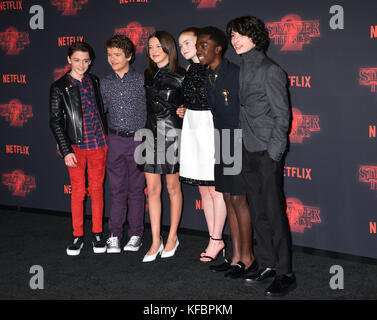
{"x":66,"y":119}
{"x":223,"y":96}
{"x":264,"y":114}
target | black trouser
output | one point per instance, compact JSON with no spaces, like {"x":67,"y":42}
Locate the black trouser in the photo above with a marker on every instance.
{"x":264,"y":179}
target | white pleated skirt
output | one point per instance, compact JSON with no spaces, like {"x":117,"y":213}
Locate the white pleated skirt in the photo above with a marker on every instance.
{"x":197,"y":149}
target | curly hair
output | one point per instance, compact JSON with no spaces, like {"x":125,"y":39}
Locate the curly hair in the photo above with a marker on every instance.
{"x":251,"y":27}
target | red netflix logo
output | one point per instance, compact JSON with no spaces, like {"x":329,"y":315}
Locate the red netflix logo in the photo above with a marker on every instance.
{"x":303,"y":126}
{"x":301,"y":217}
{"x":202,"y":4}
{"x":69,"y":7}
{"x":16,"y":113}
{"x":10,"y":5}
{"x":13,"y":41}
{"x":292,"y":32}
{"x":137,"y":34}
{"x":18,"y":183}
{"x":368,"y":77}
{"x":299,"y":81}
{"x":17,"y":149}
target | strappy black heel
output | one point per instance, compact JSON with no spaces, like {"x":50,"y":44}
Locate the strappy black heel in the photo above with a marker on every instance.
{"x":211,"y":259}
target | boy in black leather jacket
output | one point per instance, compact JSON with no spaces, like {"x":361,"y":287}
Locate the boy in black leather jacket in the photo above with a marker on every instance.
{"x":79,"y":127}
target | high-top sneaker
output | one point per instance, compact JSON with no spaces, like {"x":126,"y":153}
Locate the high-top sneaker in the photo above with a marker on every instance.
{"x":99,"y":246}
{"x":75,"y":248}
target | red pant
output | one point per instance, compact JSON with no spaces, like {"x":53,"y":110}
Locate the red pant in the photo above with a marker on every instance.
{"x":96,"y":162}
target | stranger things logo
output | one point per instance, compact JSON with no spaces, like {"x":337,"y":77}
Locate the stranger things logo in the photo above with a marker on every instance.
{"x":69,"y":7}
{"x":18,"y":183}
{"x":13,"y":41}
{"x":16,"y":113}
{"x":301,"y":217}
{"x":59,"y":72}
{"x":203,"y":4}
{"x":303,"y":126}
{"x":137,"y":34}
{"x":368,"y":77}
{"x":292,"y":33}
{"x":368,"y":174}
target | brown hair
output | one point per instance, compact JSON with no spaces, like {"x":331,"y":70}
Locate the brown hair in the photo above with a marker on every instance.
{"x":120,"y":41}
{"x":193,"y":30}
{"x":169,"y":46}
{"x":81,"y":46}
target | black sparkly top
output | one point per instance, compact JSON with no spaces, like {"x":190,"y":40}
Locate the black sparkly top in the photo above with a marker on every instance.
{"x":195,"y":88}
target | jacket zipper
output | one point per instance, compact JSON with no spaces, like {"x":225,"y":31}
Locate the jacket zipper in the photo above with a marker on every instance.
{"x":73,"y":113}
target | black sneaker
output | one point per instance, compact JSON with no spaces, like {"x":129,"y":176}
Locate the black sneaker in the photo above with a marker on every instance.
{"x":98,"y":245}
{"x":75,"y":248}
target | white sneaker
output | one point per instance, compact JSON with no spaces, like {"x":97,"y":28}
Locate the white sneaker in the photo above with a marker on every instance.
{"x":150,"y":258}
{"x":113,"y":245}
{"x":168,"y":254}
{"x":134,"y":244}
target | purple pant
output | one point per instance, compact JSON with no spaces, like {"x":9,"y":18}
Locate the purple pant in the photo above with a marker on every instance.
{"x":127,"y":184}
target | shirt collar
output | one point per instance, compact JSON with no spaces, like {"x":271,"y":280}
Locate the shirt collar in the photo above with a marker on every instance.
{"x":130,"y":71}
{"x":219,"y":68}
{"x":75,"y":80}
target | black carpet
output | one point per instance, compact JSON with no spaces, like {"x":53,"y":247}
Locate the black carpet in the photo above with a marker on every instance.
{"x":28,"y":239}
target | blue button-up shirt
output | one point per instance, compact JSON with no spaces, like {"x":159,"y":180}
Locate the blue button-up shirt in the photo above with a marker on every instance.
{"x":124,"y":100}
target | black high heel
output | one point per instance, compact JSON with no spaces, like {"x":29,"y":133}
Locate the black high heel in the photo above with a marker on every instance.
{"x":211,"y":259}
{"x":204,"y":252}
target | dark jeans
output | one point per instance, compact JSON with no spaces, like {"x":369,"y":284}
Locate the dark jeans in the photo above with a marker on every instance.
{"x":264,"y":180}
{"x":127,"y":184}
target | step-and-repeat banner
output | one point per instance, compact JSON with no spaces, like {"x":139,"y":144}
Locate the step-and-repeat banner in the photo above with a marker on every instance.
{"x":328,"y":49}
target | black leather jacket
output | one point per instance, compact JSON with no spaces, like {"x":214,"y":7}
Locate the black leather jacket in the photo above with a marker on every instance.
{"x":66,"y":119}
{"x":164,"y":95}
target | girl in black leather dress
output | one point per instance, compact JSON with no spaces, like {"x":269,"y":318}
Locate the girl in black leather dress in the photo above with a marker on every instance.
{"x":163,"y":83}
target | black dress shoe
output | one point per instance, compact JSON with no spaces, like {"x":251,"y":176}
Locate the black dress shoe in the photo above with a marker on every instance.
{"x":282,"y":285}
{"x":225,"y":266}
{"x":238,"y":270}
{"x":260,"y":277}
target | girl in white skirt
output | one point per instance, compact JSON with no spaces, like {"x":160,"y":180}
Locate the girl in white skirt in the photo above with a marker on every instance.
{"x":197,"y":150}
